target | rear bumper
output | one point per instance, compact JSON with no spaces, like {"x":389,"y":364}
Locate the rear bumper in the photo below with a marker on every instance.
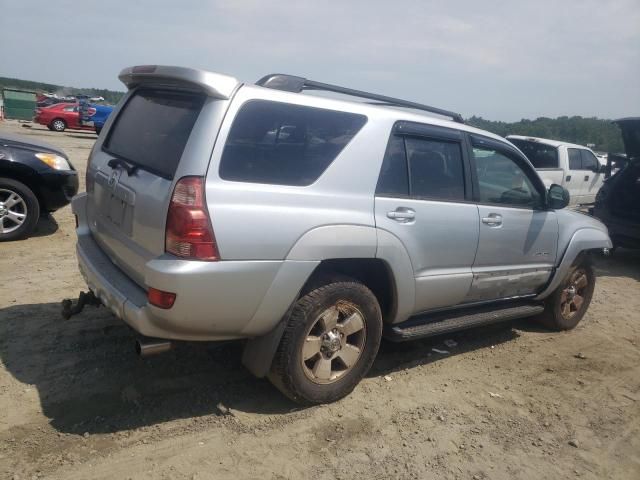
{"x":214,"y":300}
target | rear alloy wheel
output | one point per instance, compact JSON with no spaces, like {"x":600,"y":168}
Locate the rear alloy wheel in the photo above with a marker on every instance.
{"x":329,"y":344}
{"x":568,"y":304}
{"x":58,"y":125}
{"x":19,"y":210}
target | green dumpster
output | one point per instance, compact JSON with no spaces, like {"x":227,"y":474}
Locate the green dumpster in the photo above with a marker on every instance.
{"x":19,"y":104}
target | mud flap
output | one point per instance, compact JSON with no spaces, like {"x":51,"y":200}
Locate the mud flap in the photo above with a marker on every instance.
{"x":259,"y":352}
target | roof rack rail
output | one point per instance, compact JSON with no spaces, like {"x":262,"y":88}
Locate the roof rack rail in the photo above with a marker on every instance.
{"x":291,"y":83}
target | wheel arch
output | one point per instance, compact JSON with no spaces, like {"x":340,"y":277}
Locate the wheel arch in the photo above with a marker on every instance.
{"x":372,"y":256}
{"x":582,"y":241}
{"x":23,"y":174}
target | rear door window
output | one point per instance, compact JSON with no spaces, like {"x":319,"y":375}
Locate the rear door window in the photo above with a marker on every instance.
{"x":435,"y":169}
{"x":422,"y":168}
{"x":394,"y":176}
{"x":153,"y":127}
{"x":284,"y":144}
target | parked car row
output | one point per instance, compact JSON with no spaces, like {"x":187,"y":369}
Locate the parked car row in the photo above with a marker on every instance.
{"x":62,"y":116}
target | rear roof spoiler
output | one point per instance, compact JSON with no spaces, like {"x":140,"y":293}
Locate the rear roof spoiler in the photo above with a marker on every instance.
{"x":213,"y":84}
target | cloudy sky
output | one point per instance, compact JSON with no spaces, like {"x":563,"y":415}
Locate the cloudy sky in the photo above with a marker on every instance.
{"x":503,"y":60}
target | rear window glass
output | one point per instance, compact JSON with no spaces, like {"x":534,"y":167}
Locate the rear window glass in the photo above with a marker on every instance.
{"x":284,"y":144}
{"x":539,"y":154}
{"x":152,"y":129}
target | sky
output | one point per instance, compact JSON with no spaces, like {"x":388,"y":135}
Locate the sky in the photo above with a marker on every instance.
{"x":502,"y":60}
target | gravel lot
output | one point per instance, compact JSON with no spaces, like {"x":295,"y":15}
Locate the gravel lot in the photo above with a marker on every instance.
{"x":511,"y":401}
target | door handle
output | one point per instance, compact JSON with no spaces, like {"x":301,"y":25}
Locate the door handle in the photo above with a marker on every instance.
{"x":493,"y":220}
{"x":586,"y":178}
{"x":402,"y":214}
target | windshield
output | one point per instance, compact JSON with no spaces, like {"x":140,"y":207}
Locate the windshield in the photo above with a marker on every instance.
{"x":539,"y":154}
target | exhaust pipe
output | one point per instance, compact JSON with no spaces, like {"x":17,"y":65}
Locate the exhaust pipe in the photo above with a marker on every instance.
{"x":146,"y":347}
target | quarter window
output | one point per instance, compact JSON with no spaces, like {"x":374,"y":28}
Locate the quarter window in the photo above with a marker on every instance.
{"x":502,"y":180}
{"x":284,"y":144}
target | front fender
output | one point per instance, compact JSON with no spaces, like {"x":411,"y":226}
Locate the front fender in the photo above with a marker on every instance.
{"x":582,"y":240}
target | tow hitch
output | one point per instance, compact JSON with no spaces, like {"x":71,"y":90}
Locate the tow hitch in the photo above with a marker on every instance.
{"x":85,"y":298}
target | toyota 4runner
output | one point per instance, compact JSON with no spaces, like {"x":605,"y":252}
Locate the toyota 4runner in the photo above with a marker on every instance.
{"x":314,"y":226}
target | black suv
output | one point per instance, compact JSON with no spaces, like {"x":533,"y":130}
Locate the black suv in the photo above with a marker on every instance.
{"x":618,"y":201}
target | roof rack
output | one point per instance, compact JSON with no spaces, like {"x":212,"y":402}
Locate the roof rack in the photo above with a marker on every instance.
{"x":291,"y":83}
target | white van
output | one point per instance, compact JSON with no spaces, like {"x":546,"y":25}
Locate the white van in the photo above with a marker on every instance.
{"x":575,"y":167}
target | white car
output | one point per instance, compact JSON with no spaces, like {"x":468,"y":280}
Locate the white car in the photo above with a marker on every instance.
{"x":575,"y":167}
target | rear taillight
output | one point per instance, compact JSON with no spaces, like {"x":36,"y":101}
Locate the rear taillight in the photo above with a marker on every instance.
{"x":188,"y":232}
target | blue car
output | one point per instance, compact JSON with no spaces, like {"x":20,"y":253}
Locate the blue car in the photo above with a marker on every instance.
{"x":93,"y":115}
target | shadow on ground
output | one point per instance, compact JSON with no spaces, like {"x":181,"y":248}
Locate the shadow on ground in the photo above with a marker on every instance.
{"x":47,"y":225}
{"x":90,"y":380}
{"x":84,"y":136}
{"x":623,"y":262}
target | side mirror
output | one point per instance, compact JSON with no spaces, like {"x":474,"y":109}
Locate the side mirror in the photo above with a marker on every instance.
{"x":557,"y":197}
{"x":597,"y":168}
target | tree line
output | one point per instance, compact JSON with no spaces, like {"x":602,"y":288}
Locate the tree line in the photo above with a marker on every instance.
{"x":604,"y":134}
{"x":110,"y":96}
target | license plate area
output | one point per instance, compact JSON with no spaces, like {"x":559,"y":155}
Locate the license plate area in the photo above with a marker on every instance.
{"x":116,"y":202}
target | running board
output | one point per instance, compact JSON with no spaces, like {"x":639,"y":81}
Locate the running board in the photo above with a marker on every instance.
{"x":428,"y":325}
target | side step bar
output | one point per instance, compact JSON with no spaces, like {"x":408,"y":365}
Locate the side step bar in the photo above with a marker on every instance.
{"x":428,"y":325}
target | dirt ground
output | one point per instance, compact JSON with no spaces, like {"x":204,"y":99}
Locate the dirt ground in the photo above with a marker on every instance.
{"x":510,"y":401}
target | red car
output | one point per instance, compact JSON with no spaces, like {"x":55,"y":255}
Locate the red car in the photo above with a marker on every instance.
{"x":59,"y":117}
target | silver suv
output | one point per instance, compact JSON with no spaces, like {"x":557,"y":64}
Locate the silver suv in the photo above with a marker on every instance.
{"x":314,"y":226}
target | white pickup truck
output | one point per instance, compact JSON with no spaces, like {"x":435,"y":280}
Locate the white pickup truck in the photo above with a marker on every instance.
{"x":575,"y":167}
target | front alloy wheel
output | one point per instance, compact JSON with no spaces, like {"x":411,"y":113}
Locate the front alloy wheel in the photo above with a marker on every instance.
{"x":566,"y":306}
{"x":13,"y":211}
{"x":573,"y":294}
{"x":58,"y":125}
{"x":19,"y":209}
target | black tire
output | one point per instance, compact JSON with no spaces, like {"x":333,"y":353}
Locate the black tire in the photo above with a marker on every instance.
{"x":50,"y":127}
{"x":29,"y":207}
{"x":98,"y":130}
{"x":58,"y":125}
{"x":292,"y":376}
{"x":561,"y":313}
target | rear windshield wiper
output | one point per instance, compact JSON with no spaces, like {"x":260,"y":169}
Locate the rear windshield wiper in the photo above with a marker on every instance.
{"x":130,"y":169}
